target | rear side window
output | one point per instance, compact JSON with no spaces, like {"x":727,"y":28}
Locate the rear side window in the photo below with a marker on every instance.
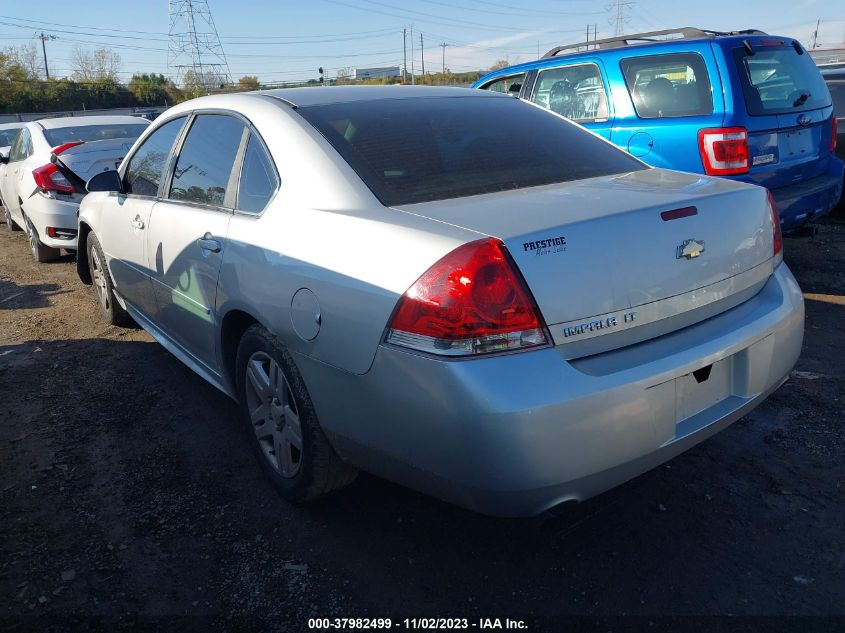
{"x":577,"y":92}
{"x":8,"y":136}
{"x":412,"y":150}
{"x":145,"y":168}
{"x":258,"y":178}
{"x":88,"y":133}
{"x":507,"y":85}
{"x":777,"y":80}
{"x":22,"y":147}
{"x":205,"y":162}
{"x":674,"y":85}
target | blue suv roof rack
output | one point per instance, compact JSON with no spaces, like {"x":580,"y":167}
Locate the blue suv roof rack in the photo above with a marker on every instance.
{"x":621,"y":41}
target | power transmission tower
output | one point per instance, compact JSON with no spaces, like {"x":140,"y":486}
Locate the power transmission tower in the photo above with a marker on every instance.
{"x":816,"y":35}
{"x":422,"y":54}
{"x":404,"y":56}
{"x":443,"y":46}
{"x":620,"y":19}
{"x":41,"y":36}
{"x":195,"y":45}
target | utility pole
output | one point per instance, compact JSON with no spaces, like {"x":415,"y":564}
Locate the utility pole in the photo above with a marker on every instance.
{"x":443,"y":46}
{"x":412,"y":55}
{"x":816,"y":35}
{"x":422,"y":54}
{"x":41,"y":36}
{"x":404,"y":56}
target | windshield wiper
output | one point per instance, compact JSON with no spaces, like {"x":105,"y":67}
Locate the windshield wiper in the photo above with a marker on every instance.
{"x":801,"y":100}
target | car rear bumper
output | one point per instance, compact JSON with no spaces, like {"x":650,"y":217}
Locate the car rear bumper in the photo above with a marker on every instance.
{"x":810,"y":199}
{"x":514,"y":435}
{"x":45,"y":212}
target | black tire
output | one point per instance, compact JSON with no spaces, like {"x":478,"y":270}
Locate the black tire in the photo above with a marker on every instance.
{"x":41,"y":253}
{"x":10,"y":223}
{"x":110,"y":309}
{"x":320,"y":470}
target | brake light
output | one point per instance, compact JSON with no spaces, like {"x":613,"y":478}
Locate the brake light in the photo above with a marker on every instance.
{"x":833,"y":132}
{"x":61,"y":148}
{"x":49,"y":178}
{"x":472,"y":301}
{"x":777,"y":237}
{"x":724,"y":150}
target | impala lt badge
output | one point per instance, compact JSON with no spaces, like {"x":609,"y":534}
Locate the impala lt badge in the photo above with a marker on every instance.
{"x":690,"y":249}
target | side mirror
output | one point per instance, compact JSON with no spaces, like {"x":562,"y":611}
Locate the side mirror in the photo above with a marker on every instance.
{"x":4,"y":158}
{"x":105,"y":181}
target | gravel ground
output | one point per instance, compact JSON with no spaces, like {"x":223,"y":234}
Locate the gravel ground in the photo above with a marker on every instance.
{"x":128,"y":492}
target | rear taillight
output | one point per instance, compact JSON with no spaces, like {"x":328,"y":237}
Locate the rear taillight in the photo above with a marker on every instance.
{"x":49,"y":178}
{"x":777,"y":237}
{"x":724,"y":150}
{"x":472,"y":301}
{"x":833,"y":132}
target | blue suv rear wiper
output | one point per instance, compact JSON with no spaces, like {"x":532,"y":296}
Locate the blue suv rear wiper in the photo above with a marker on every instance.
{"x":801,"y":100}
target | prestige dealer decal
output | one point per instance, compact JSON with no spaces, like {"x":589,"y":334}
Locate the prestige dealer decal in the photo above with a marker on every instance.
{"x":549,"y":245}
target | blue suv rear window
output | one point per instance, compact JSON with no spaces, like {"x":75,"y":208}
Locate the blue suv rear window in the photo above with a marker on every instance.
{"x":673,"y":85}
{"x":777,"y":80}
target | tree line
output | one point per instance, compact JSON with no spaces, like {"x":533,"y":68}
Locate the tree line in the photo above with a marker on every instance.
{"x":95,"y":83}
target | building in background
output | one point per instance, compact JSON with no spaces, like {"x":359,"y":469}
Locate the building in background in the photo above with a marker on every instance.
{"x":386,"y":72}
{"x":829,"y":57}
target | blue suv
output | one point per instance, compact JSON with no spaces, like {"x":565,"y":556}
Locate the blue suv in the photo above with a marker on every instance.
{"x":745,"y":105}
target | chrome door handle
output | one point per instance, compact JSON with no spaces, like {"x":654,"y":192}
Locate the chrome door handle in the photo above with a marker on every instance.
{"x":208,"y":244}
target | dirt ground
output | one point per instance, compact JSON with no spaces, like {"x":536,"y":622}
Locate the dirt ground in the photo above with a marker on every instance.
{"x":128,"y":492}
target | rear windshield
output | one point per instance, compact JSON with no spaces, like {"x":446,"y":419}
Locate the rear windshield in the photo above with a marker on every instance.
{"x":8,"y":136}
{"x":777,"y":80}
{"x":434,"y":148}
{"x":88,"y":133}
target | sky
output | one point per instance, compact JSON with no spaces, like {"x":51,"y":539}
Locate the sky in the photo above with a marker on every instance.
{"x":283,"y":40}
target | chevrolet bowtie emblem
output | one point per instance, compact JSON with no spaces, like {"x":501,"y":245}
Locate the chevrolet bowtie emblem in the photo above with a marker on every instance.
{"x":690,"y":249}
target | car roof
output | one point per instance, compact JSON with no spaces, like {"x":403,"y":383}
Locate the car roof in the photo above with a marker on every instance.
{"x":11,"y":126}
{"x":73,"y":121}
{"x":304,"y":97}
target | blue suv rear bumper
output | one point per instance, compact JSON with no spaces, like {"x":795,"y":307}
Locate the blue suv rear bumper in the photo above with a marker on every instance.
{"x":809,"y":199}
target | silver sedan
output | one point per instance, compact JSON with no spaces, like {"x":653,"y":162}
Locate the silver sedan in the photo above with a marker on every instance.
{"x":452,"y":289}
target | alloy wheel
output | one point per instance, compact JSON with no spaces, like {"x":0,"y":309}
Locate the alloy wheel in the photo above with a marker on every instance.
{"x":98,"y":276}
{"x":33,"y":239}
{"x":274,"y":414}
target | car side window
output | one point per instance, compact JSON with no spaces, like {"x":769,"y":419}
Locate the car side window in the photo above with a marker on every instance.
{"x":508,"y":85}
{"x":577,"y":92}
{"x":146,"y":166}
{"x":205,"y":162}
{"x":22,"y":147}
{"x":674,"y":85}
{"x":258,"y":180}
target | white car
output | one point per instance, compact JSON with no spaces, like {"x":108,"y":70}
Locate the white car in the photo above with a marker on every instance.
{"x":42,"y":178}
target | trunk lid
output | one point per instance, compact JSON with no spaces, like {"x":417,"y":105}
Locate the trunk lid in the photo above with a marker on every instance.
{"x":600,"y":247}
{"x":93,"y":157}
